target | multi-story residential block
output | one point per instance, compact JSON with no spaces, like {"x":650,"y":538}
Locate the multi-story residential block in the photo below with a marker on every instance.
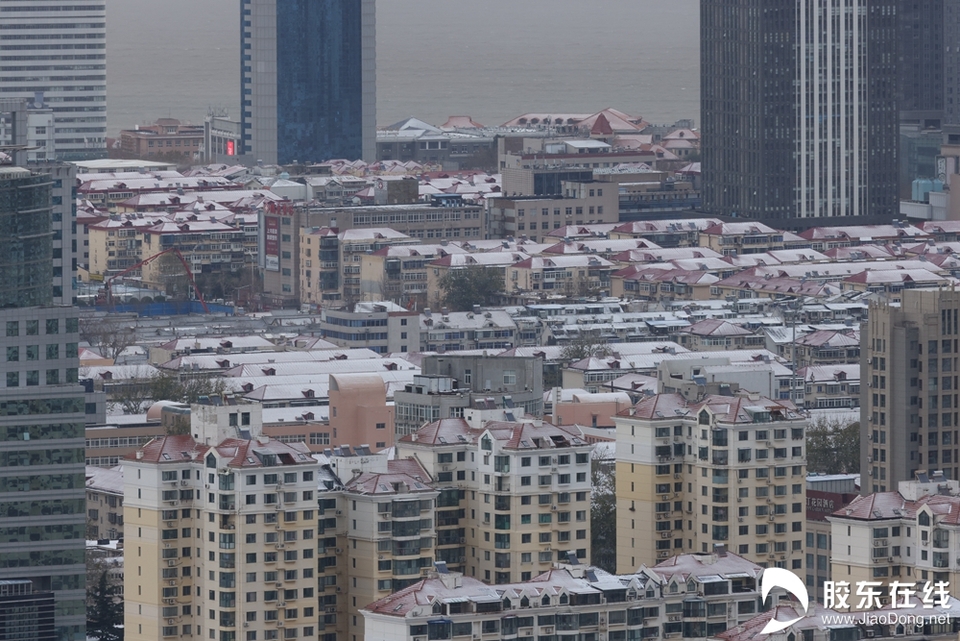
{"x":448,"y":385}
{"x":827,"y":347}
{"x":116,"y":244}
{"x":383,"y":327}
{"x":654,"y":284}
{"x":908,"y":535}
{"x":571,"y":275}
{"x":718,"y":335}
{"x":454,"y":331}
{"x":391,"y":533}
{"x":293,"y":108}
{"x":520,"y":487}
{"x":536,"y":216}
{"x":225,"y":530}
{"x":60,"y":53}
{"x":693,"y":596}
{"x":734,"y":239}
{"x":830,"y":386}
{"x":493,"y":260}
{"x":168,"y":137}
{"x":207,"y":246}
{"x":42,"y":407}
{"x":724,"y":469}
{"x":399,"y":273}
{"x":825,"y":155}
{"x":908,"y":384}
{"x":104,"y":503}
{"x":668,"y":234}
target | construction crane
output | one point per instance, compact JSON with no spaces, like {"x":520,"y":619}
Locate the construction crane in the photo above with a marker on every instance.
{"x":108,"y":283}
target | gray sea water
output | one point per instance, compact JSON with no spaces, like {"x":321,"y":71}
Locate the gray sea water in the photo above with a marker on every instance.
{"x":490,"y":59}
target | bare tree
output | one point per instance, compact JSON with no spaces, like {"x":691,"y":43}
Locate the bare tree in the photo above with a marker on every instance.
{"x":588,"y":344}
{"x":109,"y":335}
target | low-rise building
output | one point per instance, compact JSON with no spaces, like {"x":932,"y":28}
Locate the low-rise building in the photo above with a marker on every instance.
{"x":732,"y":239}
{"x":906,"y":535}
{"x":383,"y":327}
{"x":718,"y":335}
{"x":693,"y":596}
{"x":167,"y":137}
{"x":830,"y":386}
{"x":581,"y":203}
{"x":571,"y":275}
{"x":449,"y":385}
{"x":448,"y":331}
{"x":104,"y":503}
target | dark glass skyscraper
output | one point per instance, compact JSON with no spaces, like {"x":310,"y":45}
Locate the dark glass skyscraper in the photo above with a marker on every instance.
{"x":42,"y":409}
{"x":799,"y":110}
{"x":308,"y":80}
{"x":928,"y":59}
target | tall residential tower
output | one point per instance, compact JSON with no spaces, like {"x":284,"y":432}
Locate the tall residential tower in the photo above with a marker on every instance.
{"x":799,"y":109}
{"x":53,"y":52}
{"x":308,"y":80}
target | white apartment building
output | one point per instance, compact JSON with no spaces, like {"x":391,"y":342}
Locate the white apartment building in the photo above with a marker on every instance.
{"x":57,"y":48}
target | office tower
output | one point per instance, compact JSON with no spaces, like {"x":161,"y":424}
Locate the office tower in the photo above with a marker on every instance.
{"x":799,"y":110}
{"x":54,"y":52}
{"x":224,"y":525}
{"x":908,"y":391}
{"x":722,"y":470}
{"x":928,"y":85}
{"x":308,"y":80}
{"x":42,"y":409}
{"x":928,"y":62}
{"x":25,"y":615}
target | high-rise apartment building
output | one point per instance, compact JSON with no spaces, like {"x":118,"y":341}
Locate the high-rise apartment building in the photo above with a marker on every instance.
{"x":221,"y":534}
{"x":54,"y":52}
{"x":799,"y":110}
{"x":42,"y":409}
{"x":723,"y":470}
{"x":308,"y":80}
{"x":908,"y":388}
{"x":514,"y":494}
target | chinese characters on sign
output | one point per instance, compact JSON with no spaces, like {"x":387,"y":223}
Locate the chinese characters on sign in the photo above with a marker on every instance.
{"x":837,"y":594}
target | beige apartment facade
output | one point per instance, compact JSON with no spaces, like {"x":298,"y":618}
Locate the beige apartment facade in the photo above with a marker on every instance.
{"x":517,"y":492}
{"x":723,"y":470}
{"x":220,"y":540}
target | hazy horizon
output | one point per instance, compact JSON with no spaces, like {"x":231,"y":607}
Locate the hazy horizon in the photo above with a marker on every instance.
{"x":435,"y":58}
